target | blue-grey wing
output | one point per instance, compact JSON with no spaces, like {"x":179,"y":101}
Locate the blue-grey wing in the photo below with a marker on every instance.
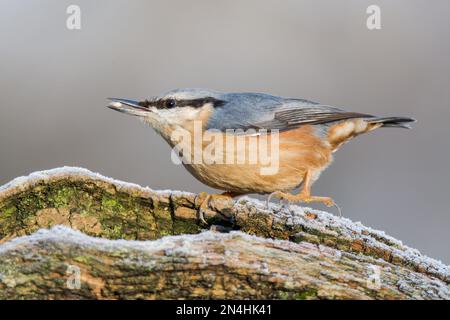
{"x":261,"y":111}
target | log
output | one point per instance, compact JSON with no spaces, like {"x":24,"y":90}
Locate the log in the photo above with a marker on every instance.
{"x":68,"y":233}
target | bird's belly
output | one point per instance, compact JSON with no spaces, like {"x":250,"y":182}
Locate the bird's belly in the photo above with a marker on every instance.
{"x":243,"y":179}
{"x":299,"y":150}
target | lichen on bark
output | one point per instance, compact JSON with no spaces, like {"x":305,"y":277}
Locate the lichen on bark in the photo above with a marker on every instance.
{"x":298,"y":254}
{"x":96,"y":209}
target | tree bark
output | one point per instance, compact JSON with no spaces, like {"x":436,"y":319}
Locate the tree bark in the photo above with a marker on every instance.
{"x":250,"y":251}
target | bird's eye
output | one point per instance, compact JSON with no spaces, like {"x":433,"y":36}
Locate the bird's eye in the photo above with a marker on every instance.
{"x":170,"y":103}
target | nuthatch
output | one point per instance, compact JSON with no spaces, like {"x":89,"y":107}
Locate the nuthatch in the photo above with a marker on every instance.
{"x":309,"y":132}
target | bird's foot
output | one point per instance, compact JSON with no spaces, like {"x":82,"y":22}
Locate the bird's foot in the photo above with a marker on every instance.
{"x":284,"y":206}
{"x":204,"y":199}
{"x":297,"y":198}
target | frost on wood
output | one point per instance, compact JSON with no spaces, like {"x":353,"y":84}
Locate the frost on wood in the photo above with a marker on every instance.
{"x":206,"y":265}
{"x":304,"y":253}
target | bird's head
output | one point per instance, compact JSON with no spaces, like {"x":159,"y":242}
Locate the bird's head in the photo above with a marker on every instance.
{"x":176,"y":108}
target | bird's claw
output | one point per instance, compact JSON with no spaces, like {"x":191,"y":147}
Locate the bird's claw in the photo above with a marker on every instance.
{"x":201,"y":216}
{"x":338,"y":208}
{"x":330,"y":203}
{"x":280,"y":195}
{"x":276,"y":194}
{"x":203,"y":201}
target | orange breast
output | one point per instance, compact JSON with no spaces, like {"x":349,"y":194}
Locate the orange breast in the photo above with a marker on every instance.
{"x":299,"y":150}
{"x":304,"y":148}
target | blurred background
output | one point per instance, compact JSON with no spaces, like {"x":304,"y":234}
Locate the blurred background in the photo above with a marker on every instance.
{"x":54,"y":81}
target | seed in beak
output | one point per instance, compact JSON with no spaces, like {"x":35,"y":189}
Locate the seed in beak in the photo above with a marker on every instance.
{"x":115,"y":104}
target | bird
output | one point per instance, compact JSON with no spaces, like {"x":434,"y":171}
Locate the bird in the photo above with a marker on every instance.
{"x":308,"y":133}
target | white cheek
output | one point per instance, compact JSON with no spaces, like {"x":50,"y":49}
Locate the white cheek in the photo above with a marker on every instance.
{"x":168,"y":115}
{"x":190,"y":113}
{"x":160,"y":116}
{"x":156,"y":112}
{"x":179,"y":116}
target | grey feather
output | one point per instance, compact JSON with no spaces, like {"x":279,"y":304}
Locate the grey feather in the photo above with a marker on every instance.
{"x":262,"y":111}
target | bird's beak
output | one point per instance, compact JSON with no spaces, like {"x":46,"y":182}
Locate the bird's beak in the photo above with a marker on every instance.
{"x":128,"y":106}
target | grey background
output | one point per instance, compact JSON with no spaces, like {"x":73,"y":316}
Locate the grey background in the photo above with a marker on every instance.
{"x":54,"y":82}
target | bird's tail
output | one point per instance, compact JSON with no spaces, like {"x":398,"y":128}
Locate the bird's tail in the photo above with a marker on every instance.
{"x":396,"y":122}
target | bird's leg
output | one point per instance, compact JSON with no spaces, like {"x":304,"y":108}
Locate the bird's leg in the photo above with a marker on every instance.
{"x":304,"y":195}
{"x":203,"y":199}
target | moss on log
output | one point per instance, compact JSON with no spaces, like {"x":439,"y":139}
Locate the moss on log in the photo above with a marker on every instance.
{"x":297,"y":254}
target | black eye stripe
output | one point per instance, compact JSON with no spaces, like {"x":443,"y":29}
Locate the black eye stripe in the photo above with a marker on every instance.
{"x":198,"y":103}
{"x":146,"y":103}
{"x":171,"y":103}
